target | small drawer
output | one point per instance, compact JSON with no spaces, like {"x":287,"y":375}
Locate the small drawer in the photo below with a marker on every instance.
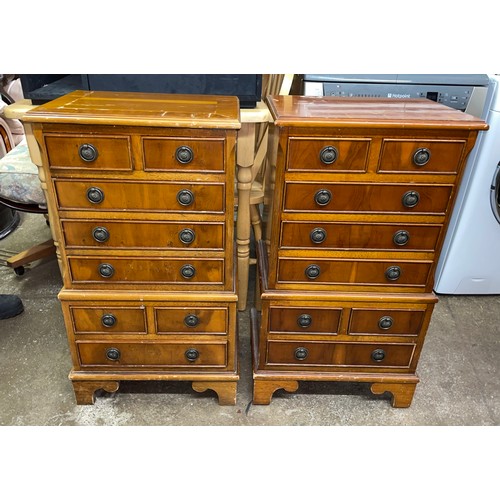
{"x":118,"y":355}
{"x":89,"y":152}
{"x":108,"y":320}
{"x":146,"y":271}
{"x":157,"y":196}
{"x":335,"y":354}
{"x":304,"y":320}
{"x":191,"y":320}
{"x":159,"y":235}
{"x":424,"y":156}
{"x":386,"y":321}
{"x":359,"y":272}
{"x":183,"y":154}
{"x":354,"y":235}
{"x":367,"y":198}
{"x":328,"y":154}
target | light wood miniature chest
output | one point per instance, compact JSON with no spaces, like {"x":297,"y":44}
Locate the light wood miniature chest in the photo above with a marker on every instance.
{"x":140,"y":189}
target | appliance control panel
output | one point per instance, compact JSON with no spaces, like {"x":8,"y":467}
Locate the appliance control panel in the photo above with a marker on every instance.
{"x":454,"y":96}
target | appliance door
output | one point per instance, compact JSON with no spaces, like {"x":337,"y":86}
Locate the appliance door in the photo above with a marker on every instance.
{"x":495,"y":194}
{"x":471,"y":263}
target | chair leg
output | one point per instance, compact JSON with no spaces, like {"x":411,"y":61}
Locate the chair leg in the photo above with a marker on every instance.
{"x":256,"y":222}
{"x":34,"y":253}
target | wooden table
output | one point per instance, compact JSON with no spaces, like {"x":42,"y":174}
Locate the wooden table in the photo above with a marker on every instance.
{"x":245,"y":158}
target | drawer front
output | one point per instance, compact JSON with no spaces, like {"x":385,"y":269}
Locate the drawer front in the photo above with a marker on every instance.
{"x":354,"y":197}
{"x":183,"y":154}
{"x":191,"y":320}
{"x":108,"y":320}
{"x":425,"y":156}
{"x":118,"y":355}
{"x":304,"y":320}
{"x":300,"y":354}
{"x":360,"y":272}
{"x":139,"y":196}
{"x":141,"y":234}
{"x":350,"y":235}
{"x":328,"y":154}
{"x":386,"y":321}
{"x":147,"y":271}
{"x":89,"y":152}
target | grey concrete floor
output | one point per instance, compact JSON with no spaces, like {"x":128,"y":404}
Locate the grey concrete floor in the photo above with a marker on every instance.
{"x":459,"y":383}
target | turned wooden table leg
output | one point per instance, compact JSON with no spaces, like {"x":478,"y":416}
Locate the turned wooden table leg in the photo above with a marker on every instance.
{"x":263,"y":390}
{"x":226,"y":391}
{"x":244,"y":160}
{"x":402,"y":394}
{"x":84,"y":390}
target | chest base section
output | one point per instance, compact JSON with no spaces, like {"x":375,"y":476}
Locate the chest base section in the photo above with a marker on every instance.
{"x":154,"y":336}
{"x":266,"y":381}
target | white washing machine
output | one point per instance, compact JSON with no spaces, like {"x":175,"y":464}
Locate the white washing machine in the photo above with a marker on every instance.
{"x":470,"y":258}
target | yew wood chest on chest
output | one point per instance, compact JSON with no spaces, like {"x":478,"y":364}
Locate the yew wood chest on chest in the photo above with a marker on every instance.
{"x":363,"y":193}
{"x":140,"y":190}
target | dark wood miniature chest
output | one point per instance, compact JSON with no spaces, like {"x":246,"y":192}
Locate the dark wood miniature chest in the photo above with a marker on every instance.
{"x":363,"y":193}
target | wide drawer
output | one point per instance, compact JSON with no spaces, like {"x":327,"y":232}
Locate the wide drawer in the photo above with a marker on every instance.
{"x":386,"y":321}
{"x":156,"y":196}
{"x":191,"y":320}
{"x":108,"y":320}
{"x":362,"y":272}
{"x":89,"y":152}
{"x":355,"y":235}
{"x":130,"y":234}
{"x":328,"y":154}
{"x":421,"y":156}
{"x":146,"y":271}
{"x":322,"y":353}
{"x":304,"y":320}
{"x":183,"y":154}
{"x":152,"y":354}
{"x":358,"y":197}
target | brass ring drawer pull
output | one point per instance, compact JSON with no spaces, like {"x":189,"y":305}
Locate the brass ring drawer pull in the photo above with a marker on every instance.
{"x":88,"y":152}
{"x":378,"y":355}
{"x":328,"y":155}
{"x":301,"y":353}
{"x":191,"y":320}
{"x":185,"y":197}
{"x":410,"y":199}
{"x":304,"y":320}
{"x":393,"y":273}
{"x":385,"y":322}
{"x":188,"y":271}
{"x":106,"y":270}
{"x":100,"y":234}
{"x":95,"y":195}
{"x":312,"y":271}
{"x":186,"y":236}
{"x":401,"y":238}
{"x":318,"y":235}
{"x":113,"y":354}
{"x":192,"y":355}
{"x":108,"y":320}
{"x":184,"y":154}
{"x":323,"y":197}
{"x":421,"y":157}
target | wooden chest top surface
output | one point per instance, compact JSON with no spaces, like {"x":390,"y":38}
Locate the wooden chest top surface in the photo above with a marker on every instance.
{"x":140,"y":109}
{"x":327,"y":111}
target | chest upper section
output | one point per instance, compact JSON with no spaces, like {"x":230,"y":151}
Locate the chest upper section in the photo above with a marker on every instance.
{"x":383,"y":138}
{"x":106,"y":133}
